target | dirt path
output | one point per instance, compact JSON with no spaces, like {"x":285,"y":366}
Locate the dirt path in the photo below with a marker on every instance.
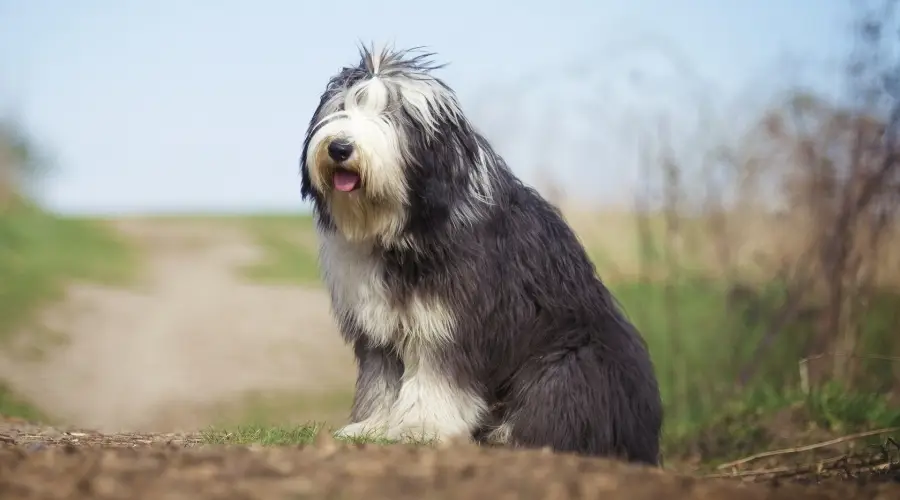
{"x":191,"y":335}
{"x":79,"y":466}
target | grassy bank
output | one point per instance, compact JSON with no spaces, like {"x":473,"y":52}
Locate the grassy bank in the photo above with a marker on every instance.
{"x":717,"y":408}
{"x":39,"y":254}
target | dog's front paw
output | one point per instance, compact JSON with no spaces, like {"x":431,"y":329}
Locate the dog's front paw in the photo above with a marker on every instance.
{"x":420,"y":432}
{"x":413,"y":432}
{"x":366,"y":429}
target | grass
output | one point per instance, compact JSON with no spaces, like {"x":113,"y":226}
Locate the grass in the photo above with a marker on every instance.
{"x":292,"y":435}
{"x":266,"y":435}
{"x":39,"y":254}
{"x":764,"y":422}
{"x":13,"y":406}
{"x":290,"y":249}
{"x":701,"y":345}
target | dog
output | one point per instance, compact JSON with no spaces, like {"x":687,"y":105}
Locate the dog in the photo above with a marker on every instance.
{"x":473,"y":310}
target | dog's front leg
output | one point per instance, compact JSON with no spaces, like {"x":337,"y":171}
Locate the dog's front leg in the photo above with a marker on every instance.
{"x":432,"y":404}
{"x":377,"y":385}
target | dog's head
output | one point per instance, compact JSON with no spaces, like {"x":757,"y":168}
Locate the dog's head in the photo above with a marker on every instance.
{"x":388,"y":149}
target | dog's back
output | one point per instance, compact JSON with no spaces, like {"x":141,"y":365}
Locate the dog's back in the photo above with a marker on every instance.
{"x":574,"y":373}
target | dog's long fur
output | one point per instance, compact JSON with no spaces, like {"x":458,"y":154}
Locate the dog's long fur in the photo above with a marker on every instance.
{"x":472,"y":308}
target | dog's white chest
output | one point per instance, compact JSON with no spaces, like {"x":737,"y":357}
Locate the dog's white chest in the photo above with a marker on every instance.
{"x":358,"y":291}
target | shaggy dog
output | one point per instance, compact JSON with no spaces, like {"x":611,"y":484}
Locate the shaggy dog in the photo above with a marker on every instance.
{"x":472,"y":309}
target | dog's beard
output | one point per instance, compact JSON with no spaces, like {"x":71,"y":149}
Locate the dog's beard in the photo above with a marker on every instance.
{"x":361,"y":219}
{"x":363,"y":207}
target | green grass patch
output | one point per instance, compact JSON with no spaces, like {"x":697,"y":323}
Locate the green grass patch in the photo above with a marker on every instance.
{"x":289,"y":243}
{"x":292,"y":435}
{"x":766,"y":422}
{"x":263,"y":435}
{"x":702,"y":345}
{"x":13,"y":406}
{"x":683,"y":327}
{"x":41,"y":253}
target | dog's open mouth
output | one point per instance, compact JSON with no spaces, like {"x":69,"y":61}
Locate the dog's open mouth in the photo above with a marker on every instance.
{"x":345,"y":180}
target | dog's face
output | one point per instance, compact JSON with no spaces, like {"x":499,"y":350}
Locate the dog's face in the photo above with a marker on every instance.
{"x":387,"y":139}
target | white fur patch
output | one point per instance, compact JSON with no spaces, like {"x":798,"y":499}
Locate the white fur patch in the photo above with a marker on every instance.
{"x":353,"y":276}
{"x":430,"y":406}
{"x":480,"y":193}
{"x":423,"y":97}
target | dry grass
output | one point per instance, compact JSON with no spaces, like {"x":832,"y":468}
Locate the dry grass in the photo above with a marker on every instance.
{"x":757,"y":244}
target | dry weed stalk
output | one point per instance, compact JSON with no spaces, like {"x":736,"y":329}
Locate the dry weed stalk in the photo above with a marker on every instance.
{"x":872,"y":463}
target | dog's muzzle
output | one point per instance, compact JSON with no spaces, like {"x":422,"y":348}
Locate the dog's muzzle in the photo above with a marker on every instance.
{"x":343,"y":179}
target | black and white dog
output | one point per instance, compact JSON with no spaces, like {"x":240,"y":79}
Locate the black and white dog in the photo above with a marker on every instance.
{"x":472,"y":308}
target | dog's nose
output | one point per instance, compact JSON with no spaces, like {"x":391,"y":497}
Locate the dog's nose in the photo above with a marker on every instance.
{"x":340,"y":150}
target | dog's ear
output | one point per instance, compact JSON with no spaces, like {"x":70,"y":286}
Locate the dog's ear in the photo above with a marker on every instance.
{"x":441,"y":178}
{"x":306,"y":189}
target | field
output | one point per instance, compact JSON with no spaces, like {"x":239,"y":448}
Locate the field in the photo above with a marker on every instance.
{"x":211,"y":337}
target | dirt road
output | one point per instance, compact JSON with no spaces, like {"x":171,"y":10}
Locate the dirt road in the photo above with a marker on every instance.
{"x":192,"y":335}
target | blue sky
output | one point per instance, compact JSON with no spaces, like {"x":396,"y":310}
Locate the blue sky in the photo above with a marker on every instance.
{"x":165,"y":105}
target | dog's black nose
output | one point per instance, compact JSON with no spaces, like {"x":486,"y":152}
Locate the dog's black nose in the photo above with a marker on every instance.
{"x":340,"y":150}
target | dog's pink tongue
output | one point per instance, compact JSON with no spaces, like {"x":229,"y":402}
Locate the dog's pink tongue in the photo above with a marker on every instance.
{"x":345,"y":181}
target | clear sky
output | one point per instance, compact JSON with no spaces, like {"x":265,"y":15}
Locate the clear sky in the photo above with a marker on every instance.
{"x":176,"y":105}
